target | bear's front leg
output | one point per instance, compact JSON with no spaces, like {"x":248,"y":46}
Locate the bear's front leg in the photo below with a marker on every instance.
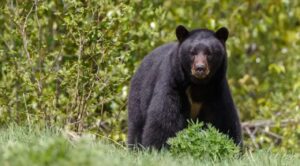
{"x":163,"y":120}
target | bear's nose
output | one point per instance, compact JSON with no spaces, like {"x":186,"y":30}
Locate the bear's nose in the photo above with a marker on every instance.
{"x":200,"y":67}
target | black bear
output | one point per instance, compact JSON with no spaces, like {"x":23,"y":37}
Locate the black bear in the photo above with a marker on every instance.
{"x":180,"y":81}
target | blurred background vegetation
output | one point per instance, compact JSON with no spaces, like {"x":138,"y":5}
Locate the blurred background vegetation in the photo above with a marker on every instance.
{"x":68,"y":63}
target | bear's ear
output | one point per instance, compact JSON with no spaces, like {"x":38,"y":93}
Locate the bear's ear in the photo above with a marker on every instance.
{"x":222,"y":34}
{"x":181,"y":33}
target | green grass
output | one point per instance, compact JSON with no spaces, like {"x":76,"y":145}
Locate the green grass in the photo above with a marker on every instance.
{"x":33,"y":146}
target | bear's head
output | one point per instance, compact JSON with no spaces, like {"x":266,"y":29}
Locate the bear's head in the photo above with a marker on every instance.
{"x":202,"y":53}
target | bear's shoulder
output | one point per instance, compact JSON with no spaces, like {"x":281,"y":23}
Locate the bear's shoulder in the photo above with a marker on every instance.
{"x":155,"y":58}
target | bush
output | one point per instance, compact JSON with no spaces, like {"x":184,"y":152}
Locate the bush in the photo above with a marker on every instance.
{"x":200,"y":143}
{"x":68,"y":63}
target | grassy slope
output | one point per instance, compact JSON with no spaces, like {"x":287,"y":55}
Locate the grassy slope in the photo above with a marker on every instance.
{"x":29,"y":146}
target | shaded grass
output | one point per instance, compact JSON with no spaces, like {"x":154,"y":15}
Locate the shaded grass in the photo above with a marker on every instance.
{"x":35,"y":146}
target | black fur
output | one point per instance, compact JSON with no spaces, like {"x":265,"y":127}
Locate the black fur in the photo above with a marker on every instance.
{"x":158,"y":104}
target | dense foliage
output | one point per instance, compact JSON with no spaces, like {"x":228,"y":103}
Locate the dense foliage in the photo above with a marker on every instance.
{"x":68,"y":63}
{"x":203,"y":143}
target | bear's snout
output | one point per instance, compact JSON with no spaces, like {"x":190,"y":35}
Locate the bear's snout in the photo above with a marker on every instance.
{"x":200,"y":68}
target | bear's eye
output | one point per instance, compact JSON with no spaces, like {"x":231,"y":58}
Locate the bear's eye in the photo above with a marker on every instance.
{"x":209,"y":56}
{"x":193,"y":52}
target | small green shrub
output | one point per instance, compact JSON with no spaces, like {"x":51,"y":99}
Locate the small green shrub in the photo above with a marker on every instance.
{"x":200,"y":143}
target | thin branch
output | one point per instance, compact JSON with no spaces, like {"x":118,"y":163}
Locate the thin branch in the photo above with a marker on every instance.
{"x":252,"y":136}
{"x":270,"y":123}
{"x":273,"y":135}
{"x":23,"y":33}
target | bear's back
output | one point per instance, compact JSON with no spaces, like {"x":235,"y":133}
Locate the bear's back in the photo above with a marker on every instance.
{"x":150,"y":66}
{"x":145,"y":78}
